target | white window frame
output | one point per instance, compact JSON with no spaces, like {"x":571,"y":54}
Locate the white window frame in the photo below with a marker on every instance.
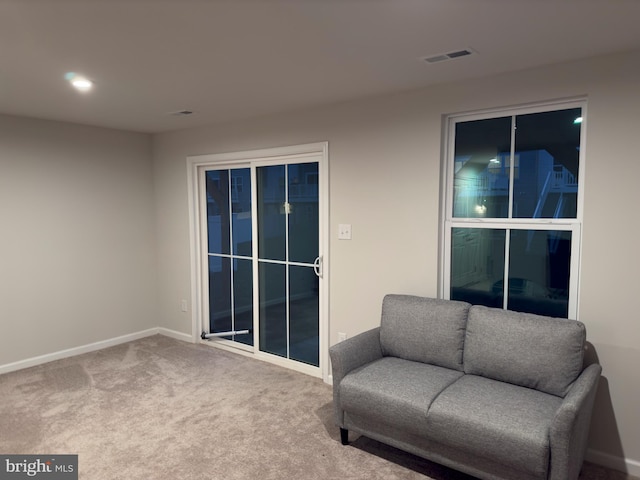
{"x":448,"y":222}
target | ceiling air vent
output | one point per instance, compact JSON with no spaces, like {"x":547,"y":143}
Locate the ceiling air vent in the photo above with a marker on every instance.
{"x":181,"y":113}
{"x":442,"y":57}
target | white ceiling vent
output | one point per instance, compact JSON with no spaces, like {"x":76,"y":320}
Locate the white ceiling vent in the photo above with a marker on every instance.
{"x":442,"y":57}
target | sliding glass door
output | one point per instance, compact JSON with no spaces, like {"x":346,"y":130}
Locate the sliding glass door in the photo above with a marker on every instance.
{"x":229,"y":252}
{"x":262,"y":290}
{"x":288,"y":260}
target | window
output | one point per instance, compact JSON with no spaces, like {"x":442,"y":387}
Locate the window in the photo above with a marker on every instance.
{"x":512,"y":222}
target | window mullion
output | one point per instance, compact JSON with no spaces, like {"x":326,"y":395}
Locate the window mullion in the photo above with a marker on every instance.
{"x":287,"y":219}
{"x":507,"y":256}
{"x":231,"y":260}
{"x":512,"y":162}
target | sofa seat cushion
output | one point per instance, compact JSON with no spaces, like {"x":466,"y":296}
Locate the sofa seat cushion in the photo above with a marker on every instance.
{"x":395,"y":391}
{"x":498,"y":421}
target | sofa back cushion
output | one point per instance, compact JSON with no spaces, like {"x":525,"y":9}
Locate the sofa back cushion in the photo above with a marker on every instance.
{"x":424,"y":330}
{"x":524,"y":349}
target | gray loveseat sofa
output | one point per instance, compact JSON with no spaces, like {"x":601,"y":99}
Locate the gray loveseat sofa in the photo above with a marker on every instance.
{"x":493,"y":393}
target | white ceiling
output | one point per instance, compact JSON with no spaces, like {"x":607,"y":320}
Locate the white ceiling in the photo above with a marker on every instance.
{"x":235,"y":59}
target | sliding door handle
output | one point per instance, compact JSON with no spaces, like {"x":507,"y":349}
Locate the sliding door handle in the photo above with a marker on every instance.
{"x":317,"y":266}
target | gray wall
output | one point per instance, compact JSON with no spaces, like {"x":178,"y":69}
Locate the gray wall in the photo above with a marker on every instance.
{"x":77,"y":248}
{"x":385,"y":156}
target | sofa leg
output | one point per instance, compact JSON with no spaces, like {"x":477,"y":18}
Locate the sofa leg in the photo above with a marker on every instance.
{"x":344,"y":436}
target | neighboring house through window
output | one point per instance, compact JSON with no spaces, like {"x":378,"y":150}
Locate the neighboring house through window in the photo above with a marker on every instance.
{"x":513,"y":208}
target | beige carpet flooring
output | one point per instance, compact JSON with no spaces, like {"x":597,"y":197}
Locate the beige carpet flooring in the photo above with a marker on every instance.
{"x":158,"y":408}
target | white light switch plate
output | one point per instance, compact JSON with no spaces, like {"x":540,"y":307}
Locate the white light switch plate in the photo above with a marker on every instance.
{"x":344,"y":231}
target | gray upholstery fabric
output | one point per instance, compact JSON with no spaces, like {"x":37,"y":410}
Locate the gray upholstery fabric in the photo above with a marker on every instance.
{"x":424,"y":329}
{"x":524,"y":349}
{"x":478,"y":466}
{"x":350,"y":355}
{"x":570,"y":428}
{"x":395,"y":391}
{"x":498,"y":421}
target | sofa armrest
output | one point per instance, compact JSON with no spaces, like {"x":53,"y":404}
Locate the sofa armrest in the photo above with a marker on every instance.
{"x":570,"y":429}
{"x":349,"y":355}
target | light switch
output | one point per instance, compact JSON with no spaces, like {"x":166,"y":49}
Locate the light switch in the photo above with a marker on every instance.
{"x":344,"y":231}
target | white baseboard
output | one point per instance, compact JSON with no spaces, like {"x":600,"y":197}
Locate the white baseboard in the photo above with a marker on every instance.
{"x":626,"y":465}
{"x":70,"y":352}
{"x":92,"y":347}
{"x":185,"y":337}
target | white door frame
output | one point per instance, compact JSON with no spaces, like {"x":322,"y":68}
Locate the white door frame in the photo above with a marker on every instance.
{"x":197,"y":163}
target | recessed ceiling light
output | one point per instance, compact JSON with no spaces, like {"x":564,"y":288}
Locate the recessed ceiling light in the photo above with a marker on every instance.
{"x":82,"y":84}
{"x":79,"y":82}
{"x":578,"y":120}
